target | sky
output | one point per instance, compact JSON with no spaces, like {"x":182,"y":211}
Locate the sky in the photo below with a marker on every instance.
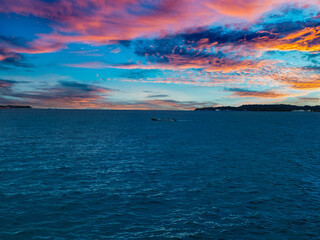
{"x":159,"y":54}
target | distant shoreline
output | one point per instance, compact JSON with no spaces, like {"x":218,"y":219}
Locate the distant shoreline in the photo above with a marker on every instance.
{"x":14,"y":106}
{"x":242,"y":108}
{"x":264,"y":108}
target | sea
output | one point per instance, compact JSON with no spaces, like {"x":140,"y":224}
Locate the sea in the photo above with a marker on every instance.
{"x":103,"y":174}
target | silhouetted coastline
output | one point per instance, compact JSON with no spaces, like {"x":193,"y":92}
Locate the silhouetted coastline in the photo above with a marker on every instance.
{"x":13,"y":106}
{"x":264,"y":108}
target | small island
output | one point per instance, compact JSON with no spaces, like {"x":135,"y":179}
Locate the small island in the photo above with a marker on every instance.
{"x":264,"y":108}
{"x":13,"y":106}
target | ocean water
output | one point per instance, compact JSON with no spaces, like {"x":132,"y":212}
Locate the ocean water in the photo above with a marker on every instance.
{"x":87,"y":174}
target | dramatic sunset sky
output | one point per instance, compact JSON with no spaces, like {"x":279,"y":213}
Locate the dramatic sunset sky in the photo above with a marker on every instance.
{"x":159,"y":54}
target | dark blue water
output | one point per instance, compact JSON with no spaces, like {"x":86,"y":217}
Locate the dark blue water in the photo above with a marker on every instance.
{"x":81,"y":174}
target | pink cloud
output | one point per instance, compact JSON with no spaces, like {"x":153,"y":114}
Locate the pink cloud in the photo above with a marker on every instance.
{"x":181,"y":62}
{"x":103,"y":22}
{"x":241,"y":8}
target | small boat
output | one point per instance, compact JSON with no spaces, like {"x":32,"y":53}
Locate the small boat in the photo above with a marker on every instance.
{"x":164,"y":119}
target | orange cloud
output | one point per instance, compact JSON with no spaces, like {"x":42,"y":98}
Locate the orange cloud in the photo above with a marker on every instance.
{"x":306,"y":40}
{"x":4,"y":56}
{"x":259,"y":94}
{"x":303,"y":85}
